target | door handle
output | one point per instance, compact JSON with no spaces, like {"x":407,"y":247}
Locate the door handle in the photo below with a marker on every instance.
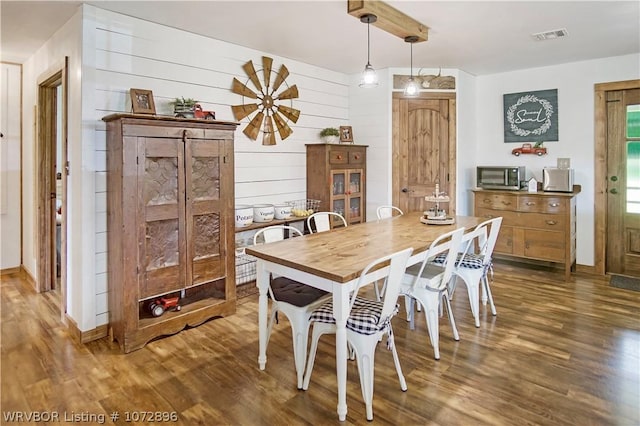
{"x":407,"y":190}
{"x":613,"y":191}
{"x":614,"y":178}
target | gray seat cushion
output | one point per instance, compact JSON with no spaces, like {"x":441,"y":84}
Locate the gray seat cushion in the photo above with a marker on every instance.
{"x":293,"y":292}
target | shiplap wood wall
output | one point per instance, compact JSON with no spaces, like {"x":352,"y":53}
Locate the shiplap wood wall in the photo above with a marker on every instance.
{"x":131,"y":53}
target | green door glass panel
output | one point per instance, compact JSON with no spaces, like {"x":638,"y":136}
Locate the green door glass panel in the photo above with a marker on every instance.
{"x":633,"y":177}
{"x":633,"y":159}
{"x":633,"y":121}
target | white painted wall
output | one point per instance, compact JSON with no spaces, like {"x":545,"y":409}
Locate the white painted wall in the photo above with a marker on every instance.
{"x":575,"y":83}
{"x":467,"y":141}
{"x":10,"y":220}
{"x":120,"y":52}
{"x":370,"y":118}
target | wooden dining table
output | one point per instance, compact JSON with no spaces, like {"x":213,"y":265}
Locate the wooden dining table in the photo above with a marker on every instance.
{"x":333,"y":261}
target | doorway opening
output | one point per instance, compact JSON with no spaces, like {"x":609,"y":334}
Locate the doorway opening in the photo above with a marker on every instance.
{"x":51,"y":181}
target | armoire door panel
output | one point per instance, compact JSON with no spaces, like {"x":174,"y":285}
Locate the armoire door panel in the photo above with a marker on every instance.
{"x":162,"y":247}
{"x":203,"y":207}
{"x":206,"y":253}
{"x":159,"y":281}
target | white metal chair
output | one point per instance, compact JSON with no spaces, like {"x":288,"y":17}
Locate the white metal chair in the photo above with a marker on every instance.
{"x":385,"y":212}
{"x":474,"y":262}
{"x":427,"y":283}
{"x":368,"y":321}
{"x":294,"y":299}
{"x":323,"y":221}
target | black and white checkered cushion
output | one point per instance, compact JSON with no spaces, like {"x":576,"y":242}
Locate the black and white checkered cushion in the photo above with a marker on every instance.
{"x":363,"y":319}
{"x":471,"y":261}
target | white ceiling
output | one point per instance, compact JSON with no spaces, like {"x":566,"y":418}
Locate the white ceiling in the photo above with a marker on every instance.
{"x":478,"y":37}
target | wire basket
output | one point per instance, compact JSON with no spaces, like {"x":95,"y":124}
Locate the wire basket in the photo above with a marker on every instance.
{"x":303,"y":208}
{"x":245,"y":268}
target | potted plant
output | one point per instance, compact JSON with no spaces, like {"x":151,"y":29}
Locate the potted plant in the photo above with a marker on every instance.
{"x":330,"y":135}
{"x":184,"y":106}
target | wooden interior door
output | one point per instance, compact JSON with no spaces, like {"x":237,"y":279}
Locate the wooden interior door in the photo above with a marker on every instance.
{"x":623,"y":182}
{"x":424,"y":150}
{"x":161,"y":195}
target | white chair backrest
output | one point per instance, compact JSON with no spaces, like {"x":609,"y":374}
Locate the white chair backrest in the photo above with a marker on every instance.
{"x":450,"y":243}
{"x":271,"y":234}
{"x":487,"y":250}
{"x":385,"y":212}
{"x":321,"y":221}
{"x":397,"y":266}
{"x":486,"y":235}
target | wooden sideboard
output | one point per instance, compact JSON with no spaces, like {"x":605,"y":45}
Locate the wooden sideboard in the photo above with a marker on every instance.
{"x":539,"y":225}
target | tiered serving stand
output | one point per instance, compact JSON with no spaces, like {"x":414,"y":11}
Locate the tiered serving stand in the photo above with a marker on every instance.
{"x":437,"y":215}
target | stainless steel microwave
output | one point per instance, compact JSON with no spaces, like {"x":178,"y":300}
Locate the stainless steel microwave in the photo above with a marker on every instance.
{"x":500,"y":177}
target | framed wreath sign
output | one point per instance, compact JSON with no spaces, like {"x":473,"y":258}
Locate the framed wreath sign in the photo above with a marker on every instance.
{"x":531,"y":116}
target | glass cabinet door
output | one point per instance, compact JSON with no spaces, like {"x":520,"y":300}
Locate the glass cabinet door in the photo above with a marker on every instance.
{"x":347,"y":191}
{"x":354,"y":194}
{"x":339,"y":183}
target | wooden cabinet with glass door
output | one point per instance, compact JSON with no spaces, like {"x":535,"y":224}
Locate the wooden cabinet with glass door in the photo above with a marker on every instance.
{"x":336,"y":175}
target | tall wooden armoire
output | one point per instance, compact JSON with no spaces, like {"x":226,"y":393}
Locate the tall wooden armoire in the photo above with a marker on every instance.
{"x":170,"y":195}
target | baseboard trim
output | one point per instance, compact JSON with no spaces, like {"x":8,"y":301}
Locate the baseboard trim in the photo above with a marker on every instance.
{"x":585,"y":269}
{"x":11,"y":271}
{"x":558,"y":267}
{"x":85,"y":336}
{"x":23,"y":273}
{"x":28,"y":277}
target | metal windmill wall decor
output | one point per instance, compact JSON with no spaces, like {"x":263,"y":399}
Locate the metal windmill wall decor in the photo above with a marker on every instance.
{"x":269,"y":106}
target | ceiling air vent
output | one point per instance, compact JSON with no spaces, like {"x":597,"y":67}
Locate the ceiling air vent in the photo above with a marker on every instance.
{"x":550,"y":35}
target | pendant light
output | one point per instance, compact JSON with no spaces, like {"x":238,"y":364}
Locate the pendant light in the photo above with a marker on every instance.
{"x":369,"y":76}
{"x":411,"y":88}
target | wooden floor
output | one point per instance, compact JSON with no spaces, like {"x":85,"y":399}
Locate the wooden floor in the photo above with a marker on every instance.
{"x":557,"y":354}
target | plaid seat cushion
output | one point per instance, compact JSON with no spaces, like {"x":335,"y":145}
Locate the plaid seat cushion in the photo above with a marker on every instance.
{"x":471,"y":261}
{"x":363,"y":319}
{"x":293,"y":292}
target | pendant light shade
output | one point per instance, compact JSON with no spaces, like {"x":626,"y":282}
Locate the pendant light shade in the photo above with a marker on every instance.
{"x":369,"y":76}
{"x":411,"y":88}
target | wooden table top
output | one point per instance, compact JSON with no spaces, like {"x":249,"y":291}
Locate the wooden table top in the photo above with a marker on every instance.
{"x":341,"y":254}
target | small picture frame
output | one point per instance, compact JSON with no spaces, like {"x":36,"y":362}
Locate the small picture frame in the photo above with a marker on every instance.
{"x":142,"y":101}
{"x":346,"y":134}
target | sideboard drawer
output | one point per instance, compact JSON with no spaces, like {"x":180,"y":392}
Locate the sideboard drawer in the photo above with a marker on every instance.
{"x":509,"y":218}
{"x":497,"y":201}
{"x":551,"y":205}
{"x":551,"y":222}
